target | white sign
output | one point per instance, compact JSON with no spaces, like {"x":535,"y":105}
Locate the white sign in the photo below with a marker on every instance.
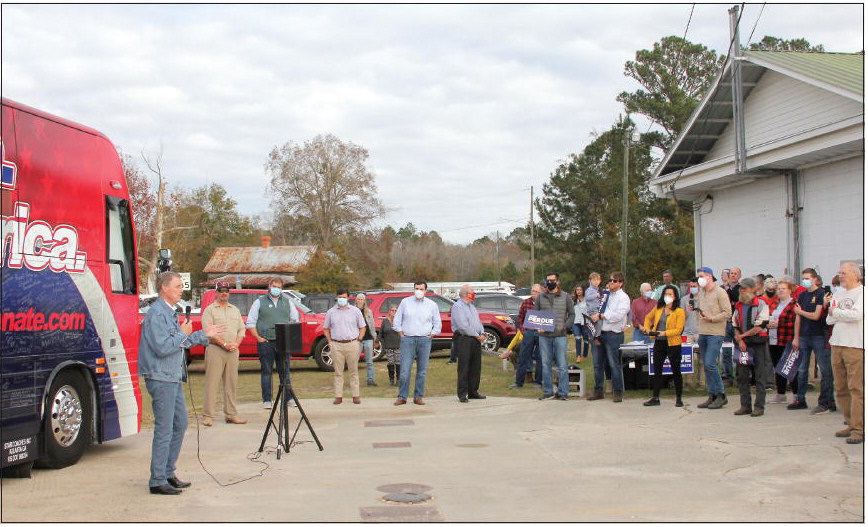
{"x":185,"y":278}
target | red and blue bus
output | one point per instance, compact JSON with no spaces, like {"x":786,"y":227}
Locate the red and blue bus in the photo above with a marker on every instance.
{"x":69,"y":335}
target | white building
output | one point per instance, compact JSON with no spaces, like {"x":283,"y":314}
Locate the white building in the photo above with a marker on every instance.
{"x":799,"y":201}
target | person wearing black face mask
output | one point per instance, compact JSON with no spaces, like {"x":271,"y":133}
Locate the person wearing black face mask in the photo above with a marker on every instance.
{"x":553,"y":344}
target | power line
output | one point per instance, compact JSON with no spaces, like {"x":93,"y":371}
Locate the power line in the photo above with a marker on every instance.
{"x":756,"y":22}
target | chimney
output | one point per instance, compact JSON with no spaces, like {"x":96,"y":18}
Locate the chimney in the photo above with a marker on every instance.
{"x":266,"y":241}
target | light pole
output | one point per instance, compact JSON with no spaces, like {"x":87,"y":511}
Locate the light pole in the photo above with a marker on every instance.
{"x":628,"y":140}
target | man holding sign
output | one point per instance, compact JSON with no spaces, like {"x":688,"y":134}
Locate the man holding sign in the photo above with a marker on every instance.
{"x":556,"y":318}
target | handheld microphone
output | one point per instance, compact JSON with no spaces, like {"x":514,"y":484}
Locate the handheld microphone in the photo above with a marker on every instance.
{"x":187,"y":312}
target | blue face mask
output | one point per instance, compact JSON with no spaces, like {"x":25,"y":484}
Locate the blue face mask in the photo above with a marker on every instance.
{"x":342,"y":302}
{"x":649,"y":294}
{"x":835,"y":289}
{"x":275,"y":291}
{"x":694,"y":290}
{"x":807,"y":282}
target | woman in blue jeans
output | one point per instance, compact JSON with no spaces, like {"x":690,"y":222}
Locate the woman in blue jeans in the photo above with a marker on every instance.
{"x":583,"y":342}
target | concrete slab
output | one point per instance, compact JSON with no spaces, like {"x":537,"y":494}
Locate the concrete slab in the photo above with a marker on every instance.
{"x":499,"y":459}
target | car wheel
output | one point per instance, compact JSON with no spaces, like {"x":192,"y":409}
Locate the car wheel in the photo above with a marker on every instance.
{"x":492,"y":341}
{"x":322,"y":354}
{"x":66,"y":421}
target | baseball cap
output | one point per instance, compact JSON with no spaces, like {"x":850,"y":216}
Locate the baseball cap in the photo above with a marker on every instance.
{"x":221,"y":285}
{"x":706,"y":270}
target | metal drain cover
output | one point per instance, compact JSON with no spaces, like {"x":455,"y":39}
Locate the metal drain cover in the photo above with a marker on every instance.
{"x":406,"y":497}
{"x":412,"y":488}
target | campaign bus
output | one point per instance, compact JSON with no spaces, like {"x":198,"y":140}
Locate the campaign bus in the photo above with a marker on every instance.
{"x":69,"y":339}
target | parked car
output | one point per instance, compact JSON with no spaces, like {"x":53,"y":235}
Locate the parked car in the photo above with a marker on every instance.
{"x":499,"y":303}
{"x":319,"y":302}
{"x":314,"y":344}
{"x":499,"y":327}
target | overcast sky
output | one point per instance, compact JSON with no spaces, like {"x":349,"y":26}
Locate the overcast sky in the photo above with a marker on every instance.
{"x":462,"y":107}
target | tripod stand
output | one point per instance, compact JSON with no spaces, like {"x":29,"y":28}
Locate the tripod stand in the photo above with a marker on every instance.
{"x":281,"y":407}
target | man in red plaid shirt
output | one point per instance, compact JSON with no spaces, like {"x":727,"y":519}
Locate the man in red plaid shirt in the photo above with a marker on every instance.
{"x":529,"y":343}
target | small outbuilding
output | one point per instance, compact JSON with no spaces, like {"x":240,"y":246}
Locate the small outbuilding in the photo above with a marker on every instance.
{"x":252,"y":267}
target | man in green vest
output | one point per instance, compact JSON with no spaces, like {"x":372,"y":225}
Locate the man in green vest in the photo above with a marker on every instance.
{"x":272,"y":308}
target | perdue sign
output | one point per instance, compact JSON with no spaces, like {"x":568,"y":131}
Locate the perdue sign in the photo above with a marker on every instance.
{"x":540,"y":320}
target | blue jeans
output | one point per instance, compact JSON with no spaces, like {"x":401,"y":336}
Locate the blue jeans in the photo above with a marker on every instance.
{"x":726,"y":358}
{"x":267,"y":363}
{"x":418,"y":349}
{"x":817,"y":344}
{"x":612,"y":344}
{"x":709,"y":350}
{"x":582,"y":344}
{"x":554,"y":348}
{"x":368,"y":348}
{"x":537,"y":360}
{"x":641,"y":337}
{"x":170,"y":423}
{"x":525,"y":355}
{"x":601,"y":367}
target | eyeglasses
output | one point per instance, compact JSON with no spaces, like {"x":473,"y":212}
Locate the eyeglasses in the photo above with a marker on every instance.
{"x":614,"y":280}
{"x":223,"y":290}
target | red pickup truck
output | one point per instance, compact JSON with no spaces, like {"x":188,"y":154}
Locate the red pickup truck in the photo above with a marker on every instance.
{"x":313,"y":340}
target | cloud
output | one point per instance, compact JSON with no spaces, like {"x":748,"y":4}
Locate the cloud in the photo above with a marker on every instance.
{"x":461,"y":107}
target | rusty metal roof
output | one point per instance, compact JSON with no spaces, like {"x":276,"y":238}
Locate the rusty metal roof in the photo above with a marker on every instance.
{"x":249,"y":281}
{"x":274,"y":259}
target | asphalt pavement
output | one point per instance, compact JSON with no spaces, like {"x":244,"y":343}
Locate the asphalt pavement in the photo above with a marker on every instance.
{"x":494,"y":460}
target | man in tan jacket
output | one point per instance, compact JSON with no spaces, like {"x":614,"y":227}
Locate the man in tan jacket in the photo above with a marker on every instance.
{"x":714,"y":309}
{"x":221,"y":356}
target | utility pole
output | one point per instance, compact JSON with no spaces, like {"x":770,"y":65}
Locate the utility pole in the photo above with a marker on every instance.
{"x":497,"y":257}
{"x":737,"y":95}
{"x":532,"y":243}
{"x":624,"y":197}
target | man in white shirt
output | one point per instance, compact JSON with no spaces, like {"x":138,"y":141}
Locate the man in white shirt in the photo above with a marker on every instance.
{"x":848,"y":351}
{"x":614,"y":316}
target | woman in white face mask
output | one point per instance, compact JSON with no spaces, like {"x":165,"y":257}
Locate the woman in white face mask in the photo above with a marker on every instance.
{"x":664,"y":324}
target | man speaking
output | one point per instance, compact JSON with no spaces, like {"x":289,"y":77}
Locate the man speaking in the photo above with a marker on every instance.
{"x":161,"y":364}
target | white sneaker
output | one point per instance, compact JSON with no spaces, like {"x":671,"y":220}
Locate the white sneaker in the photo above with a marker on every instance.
{"x":267,"y":405}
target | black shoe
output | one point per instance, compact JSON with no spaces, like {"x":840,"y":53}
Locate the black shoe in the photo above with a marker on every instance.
{"x":177,"y":483}
{"x":652,"y":402}
{"x":797,"y":405}
{"x":679,"y":403}
{"x":450,"y":362}
{"x":562,"y":398}
{"x":167,"y":490}
{"x":476,"y":396}
{"x":545,"y":397}
{"x":372,"y":383}
{"x":462,"y":399}
{"x":514,"y":386}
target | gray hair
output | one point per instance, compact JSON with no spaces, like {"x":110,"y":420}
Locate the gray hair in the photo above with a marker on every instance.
{"x":853,"y":267}
{"x":645,"y":285}
{"x":464,"y":290}
{"x":164,"y":279}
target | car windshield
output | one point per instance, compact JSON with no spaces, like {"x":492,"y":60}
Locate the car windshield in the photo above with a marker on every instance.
{"x":301,"y":307}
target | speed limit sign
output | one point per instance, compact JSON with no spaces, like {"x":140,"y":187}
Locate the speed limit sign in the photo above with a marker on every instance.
{"x":185,"y":278}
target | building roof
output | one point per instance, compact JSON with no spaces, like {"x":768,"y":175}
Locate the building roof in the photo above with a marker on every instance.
{"x":247,"y":280}
{"x":840,"y":73}
{"x":274,"y":259}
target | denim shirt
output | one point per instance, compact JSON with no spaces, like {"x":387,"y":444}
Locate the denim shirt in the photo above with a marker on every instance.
{"x":161,"y":356}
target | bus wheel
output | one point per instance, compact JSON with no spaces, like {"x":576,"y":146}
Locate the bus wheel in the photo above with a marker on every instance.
{"x":67,"y":419}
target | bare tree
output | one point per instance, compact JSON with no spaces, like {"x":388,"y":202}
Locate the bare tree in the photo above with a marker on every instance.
{"x":324,"y":186}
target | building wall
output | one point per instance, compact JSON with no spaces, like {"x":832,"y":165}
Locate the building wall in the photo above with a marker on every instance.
{"x":833,"y":214}
{"x":746,"y":227}
{"x":781,"y":106}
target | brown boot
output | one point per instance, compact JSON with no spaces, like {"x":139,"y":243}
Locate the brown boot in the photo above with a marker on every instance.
{"x":596,"y":397}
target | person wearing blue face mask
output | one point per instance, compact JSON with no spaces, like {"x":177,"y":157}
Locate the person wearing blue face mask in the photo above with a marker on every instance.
{"x":344,"y":329}
{"x":810,"y":335}
{"x":269,"y":309}
{"x":639,"y":309}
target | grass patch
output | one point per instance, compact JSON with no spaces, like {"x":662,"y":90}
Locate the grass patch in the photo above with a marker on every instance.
{"x":311,"y":383}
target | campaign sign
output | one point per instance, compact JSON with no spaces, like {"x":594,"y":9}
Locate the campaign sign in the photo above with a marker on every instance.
{"x":788,"y":366}
{"x":686,"y":361}
{"x":539,"y":320}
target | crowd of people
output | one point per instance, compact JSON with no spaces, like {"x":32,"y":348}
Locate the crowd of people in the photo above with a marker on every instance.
{"x":757,"y":333}
{"x":770,"y":326}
